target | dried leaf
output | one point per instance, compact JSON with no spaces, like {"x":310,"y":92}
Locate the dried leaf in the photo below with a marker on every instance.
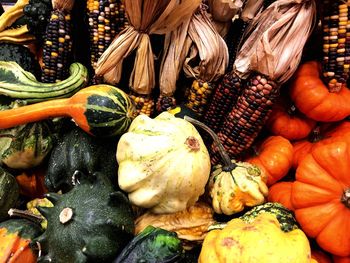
{"x":224,"y":10}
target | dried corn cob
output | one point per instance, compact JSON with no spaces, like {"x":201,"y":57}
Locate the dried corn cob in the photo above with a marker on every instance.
{"x":199,"y":95}
{"x":165,"y":103}
{"x":247,"y":118}
{"x":106,"y":20}
{"x":58,"y":43}
{"x":335,"y":44}
{"x":143,"y":103}
{"x":223,"y":100}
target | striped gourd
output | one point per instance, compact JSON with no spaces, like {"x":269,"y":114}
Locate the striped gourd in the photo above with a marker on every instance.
{"x":100,"y":110}
{"x":17,"y":83}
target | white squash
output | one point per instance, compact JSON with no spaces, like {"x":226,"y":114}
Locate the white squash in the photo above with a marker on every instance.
{"x":163,"y":163}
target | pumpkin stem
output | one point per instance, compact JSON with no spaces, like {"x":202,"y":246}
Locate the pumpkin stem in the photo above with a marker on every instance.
{"x":292,"y":110}
{"x":315,"y":134}
{"x":345,"y":199}
{"x":66,"y":215}
{"x":25,"y":214}
{"x":228,"y":165}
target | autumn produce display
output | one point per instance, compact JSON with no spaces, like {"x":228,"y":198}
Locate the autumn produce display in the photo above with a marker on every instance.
{"x":175,"y":131}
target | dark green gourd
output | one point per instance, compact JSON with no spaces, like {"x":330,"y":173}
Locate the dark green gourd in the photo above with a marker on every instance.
{"x":9,"y":193}
{"x":90,"y":223}
{"x":152,"y":245}
{"x":77,"y":150}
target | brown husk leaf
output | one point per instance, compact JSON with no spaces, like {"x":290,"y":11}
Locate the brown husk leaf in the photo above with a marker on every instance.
{"x":276,"y":40}
{"x":224,"y":10}
{"x":64,"y":5}
{"x":209,"y":45}
{"x":145,"y":17}
{"x":251,"y":9}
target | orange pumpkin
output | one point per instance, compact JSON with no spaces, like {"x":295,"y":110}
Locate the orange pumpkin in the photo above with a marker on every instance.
{"x":285,"y":120}
{"x":281,"y":193}
{"x":274,"y":157}
{"x":337,"y":259}
{"x":311,"y":96}
{"x":321,"y":135}
{"x":15,"y":238}
{"x":320,"y":256}
{"x":321,"y":196}
{"x":31,"y":182}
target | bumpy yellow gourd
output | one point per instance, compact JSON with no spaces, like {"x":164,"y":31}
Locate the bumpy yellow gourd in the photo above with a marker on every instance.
{"x":163,"y":163}
{"x":261,"y":241}
{"x":233,"y":188}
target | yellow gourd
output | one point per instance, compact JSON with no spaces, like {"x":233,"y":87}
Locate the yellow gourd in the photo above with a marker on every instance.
{"x":261,"y":241}
{"x":163,"y":163}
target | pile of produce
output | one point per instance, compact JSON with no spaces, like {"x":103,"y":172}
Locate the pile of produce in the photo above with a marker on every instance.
{"x":175,"y":131}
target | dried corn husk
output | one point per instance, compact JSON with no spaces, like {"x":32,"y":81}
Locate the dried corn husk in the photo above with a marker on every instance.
{"x":66,"y":5}
{"x":276,"y":40}
{"x":251,"y":9}
{"x":191,"y":225}
{"x":145,"y":17}
{"x":209,"y":45}
{"x":224,"y":10}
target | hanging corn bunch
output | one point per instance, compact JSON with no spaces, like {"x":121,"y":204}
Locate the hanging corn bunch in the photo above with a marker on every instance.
{"x":213,"y":56}
{"x":106,"y":19}
{"x":58,"y":43}
{"x":272,"y":53}
{"x":146,"y":17}
{"x":336,"y":43}
{"x":176,"y":46}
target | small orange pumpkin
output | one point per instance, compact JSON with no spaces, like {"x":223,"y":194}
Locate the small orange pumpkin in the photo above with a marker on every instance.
{"x":321,"y":196}
{"x":274,"y":157}
{"x":312,"y":97}
{"x":281,"y":193}
{"x":337,"y":259}
{"x":285,"y":120}
{"x":320,"y":256}
{"x":320,"y":135}
{"x":31,"y":182}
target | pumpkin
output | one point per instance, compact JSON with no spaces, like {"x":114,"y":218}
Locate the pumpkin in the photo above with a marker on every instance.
{"x":163,"y":163}
{"x":320,"y":256}
{"x":321,"y":196}
{"x":337,"y":259}
{"x":191,"y":225}
{"x":9,"y":193}
{"x":260,"y":241}
{"x":285,"y":120}
{"x":77,"y":150}
{"x":312,"y":97}
{"x":31,"y":182}
{"x":90,"y":223}
{"x":322,"y":134}
{"x":281,"y":193}
{"x":233,"y":185}
{"x":274,"y":157}
{"x":15,"y":238}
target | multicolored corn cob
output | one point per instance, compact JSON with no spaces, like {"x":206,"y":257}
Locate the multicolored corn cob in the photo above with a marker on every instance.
{"x":165,"y":103}
{"x":223,"y":100}
{"x":143,"y":103}
{"x":58,"y":43}
{"x":336,"y":44}
{"x":199,"y":95}
{"x":106,"y":19}
{"x":247,"y":117}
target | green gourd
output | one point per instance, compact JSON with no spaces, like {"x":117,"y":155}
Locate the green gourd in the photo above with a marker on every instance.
{"x":90,"y":223}
{"x":9,"y":193}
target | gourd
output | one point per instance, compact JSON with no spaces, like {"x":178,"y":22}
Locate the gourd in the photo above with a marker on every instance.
{"x":190,"y":225}
{"x":321,"y":196}
{"x":152,"y":245}
{"x":77,"y":150}
{"x":163,"y":163}
{"x":15,"y":238}
{"x":281,"y":193}
{"x":234,"y":185}
{"x":274,"y":156}
{"x":26,"y":146}
{"x":100,"y":110}
{"x":17,"y":83}
{"x":31,"y":182}
{"x":9,"y":193}
{"x":284,"y":216}
{"x":90,"y":223}
{"x":311,"y":96}
{"x":260,"y":241}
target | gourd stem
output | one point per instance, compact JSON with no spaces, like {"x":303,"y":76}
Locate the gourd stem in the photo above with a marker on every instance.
{"x":25,"y":214}
{"x":228,"y":165}
{"x":292,"y":110}
{"x":345,"y":199}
